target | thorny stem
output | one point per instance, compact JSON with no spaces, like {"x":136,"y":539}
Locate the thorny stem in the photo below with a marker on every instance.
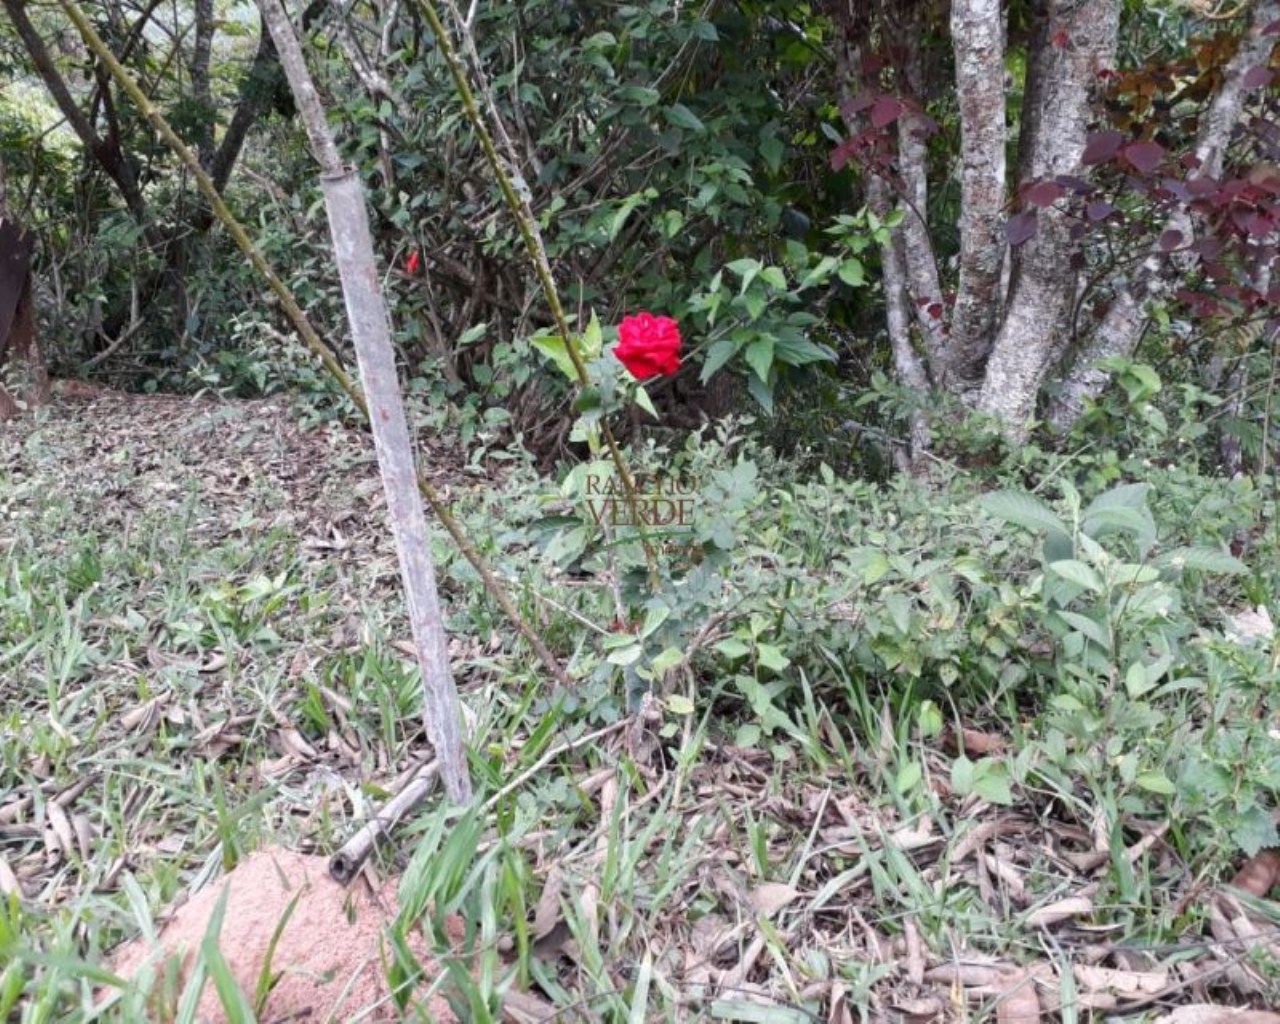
{"x":304,"y":328}
{"x":516,"y":193}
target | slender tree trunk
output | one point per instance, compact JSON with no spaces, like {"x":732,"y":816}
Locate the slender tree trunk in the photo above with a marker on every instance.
{"x":1121,"y":328}
{"x":371,"y":331}
{"x":977,"y":32}
{"x":1081,"y":42}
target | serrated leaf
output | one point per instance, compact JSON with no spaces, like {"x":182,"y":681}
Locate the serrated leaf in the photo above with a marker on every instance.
{"x":1022,"y":510}
{"x":1079,"y":573}
{"x":1201,"y":559}
{"x":718,"y":354}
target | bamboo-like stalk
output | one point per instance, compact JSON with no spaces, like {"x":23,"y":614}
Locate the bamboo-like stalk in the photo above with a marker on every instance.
{"x":370,"y":323}
{"x":303,"y":326}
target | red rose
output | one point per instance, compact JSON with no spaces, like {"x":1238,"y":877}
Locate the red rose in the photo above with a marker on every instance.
{"x":648,"y":346}
{"x":413,"y":264}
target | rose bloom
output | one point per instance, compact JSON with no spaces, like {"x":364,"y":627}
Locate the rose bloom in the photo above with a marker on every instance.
{"x":648,"y":346}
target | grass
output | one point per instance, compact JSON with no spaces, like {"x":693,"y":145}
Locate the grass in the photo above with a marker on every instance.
{"x":199,"y":629}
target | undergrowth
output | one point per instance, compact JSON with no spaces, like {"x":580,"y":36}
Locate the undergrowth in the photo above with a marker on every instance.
{"x":755,"y":796}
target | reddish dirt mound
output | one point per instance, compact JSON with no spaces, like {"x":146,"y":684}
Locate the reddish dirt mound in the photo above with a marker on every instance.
{"x":329,"y":955}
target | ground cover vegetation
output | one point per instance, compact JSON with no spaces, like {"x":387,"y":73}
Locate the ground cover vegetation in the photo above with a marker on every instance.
{"x":932,"y":675}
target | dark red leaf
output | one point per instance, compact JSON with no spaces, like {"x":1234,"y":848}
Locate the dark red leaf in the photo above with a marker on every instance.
{"x":843,"y":153}
{"x":860,"y":102}
{"x":1272,"y":30}
{"x":1258,"y":225}
{"x":1202,"y":188}
{"x":1207,"y":248}
{"x":1060,"y":40}
{"x":1102,"y":146}
{"x":1144,"y":156}
{"x":1044,"y":193}
{"x":1190,"y":161}
{"x":1099,"y":210}
{"x":885,"y":111}
{"x":1077,"y":185}
{"x":1257,"y":78}
{"x":1175,"y":188}
{"x":935,"y":310}
{"x":1171,"y":239}
{"x":1021,"y":227}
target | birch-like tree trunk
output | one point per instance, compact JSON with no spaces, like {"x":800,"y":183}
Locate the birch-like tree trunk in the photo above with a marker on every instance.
{"x":1121,"y":328}
{"x":1031,"y":337}
{"x":375,"y":354}
{"x":977,"y":34}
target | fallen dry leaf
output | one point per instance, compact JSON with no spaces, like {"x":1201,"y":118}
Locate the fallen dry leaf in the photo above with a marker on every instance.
{"x":1017,"y":1002}
{"x":1052,"y":913}
{"x":1205,"y":1013}
{"x":770,"y":897}
{"x":1260,"y":874}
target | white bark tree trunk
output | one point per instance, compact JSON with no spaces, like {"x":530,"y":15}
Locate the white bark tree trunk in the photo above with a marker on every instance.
{"x":1121,"y":328}
{"x":371,"y":332}
{"x":1081,"y":42}
{"x":977,"y":33}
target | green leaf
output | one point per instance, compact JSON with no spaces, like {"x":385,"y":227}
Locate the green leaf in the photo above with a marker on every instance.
{"x":667,"y":660}
{"x":1080,"y":574}
{"x":909,"y":777}
{"x":759,"y":356}
{"x":682,"y":117}
{"x":776,"y":278}
{"x":771,"y":151}
{"x":899,"y":608}
{"x":962,"y":776}
{"x":640,"y":94}
{"x":771,"y":658}
{"x":718,"y":354}
{"x":628,"y":655}
{"x":731,"y":647}
{"x":991,"y":782}
{"x":1156,"y":782}
{"x":553,"y":348}
{"x":761,"y":392}
{"x":643,"y":400}
{"x":1022,"y":510}
{"x":820,"y":272}
{"x":653,"y":619}
{"x":851,"y":272}
{"x":679,"y":704}
{"x":745,"y":268}
{"x":592,"y":339}
{"x":1201,"y":559}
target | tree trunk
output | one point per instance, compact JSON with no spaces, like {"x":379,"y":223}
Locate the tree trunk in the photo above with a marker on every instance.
{"x":24,"y":381}
{"x":977,"y":32}
{"x":1081,"y":41}
{"x":1121,"y":328}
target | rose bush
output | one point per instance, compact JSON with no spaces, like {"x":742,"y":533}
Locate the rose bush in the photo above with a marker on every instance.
{"x":649,"y":346}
